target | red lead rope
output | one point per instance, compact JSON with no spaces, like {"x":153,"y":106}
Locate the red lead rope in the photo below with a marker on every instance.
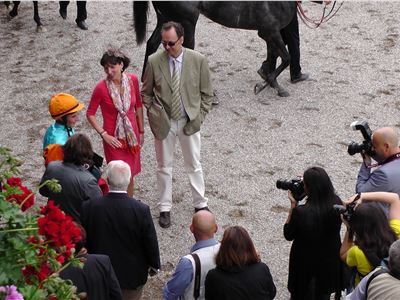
{"x":324,"y":18}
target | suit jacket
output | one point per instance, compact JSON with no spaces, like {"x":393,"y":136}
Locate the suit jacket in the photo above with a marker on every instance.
{"x":77,"y":183}
{"x":195,"y":87}
{"x":122,"y":228}
{"x":96,"y":278}
{"x":385,"y":178}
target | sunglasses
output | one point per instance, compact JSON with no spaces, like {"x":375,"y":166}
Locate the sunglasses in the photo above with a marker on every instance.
{"x":169,"y":43}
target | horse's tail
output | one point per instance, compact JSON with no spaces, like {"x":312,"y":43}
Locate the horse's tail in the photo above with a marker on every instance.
{"x":140,"y":9}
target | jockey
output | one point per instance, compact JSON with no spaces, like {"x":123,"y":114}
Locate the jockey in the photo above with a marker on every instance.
{"x":64,"y":110}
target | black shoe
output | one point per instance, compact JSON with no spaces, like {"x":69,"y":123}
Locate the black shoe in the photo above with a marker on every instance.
{"x":82,"y":25}
{"x":203,"y":208}
{"x":165,"y":219}
{"x":300,"y":77}
{"x":63,"y":13}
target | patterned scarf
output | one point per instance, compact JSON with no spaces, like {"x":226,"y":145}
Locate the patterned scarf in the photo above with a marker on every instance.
{"x":123,"y":130}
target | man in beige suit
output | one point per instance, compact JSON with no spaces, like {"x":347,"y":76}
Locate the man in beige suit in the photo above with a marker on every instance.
{"x":177,"y":93}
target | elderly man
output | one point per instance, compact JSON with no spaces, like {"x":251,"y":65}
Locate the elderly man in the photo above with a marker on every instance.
{"x":122,"y":228}
{"x":177,"y":93}
{"x":386,"y":178}
{"x":182,"y":284}
{"x":383,"y":283}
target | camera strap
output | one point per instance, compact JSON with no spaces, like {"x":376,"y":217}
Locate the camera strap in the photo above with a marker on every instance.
{"x":387,"y":160}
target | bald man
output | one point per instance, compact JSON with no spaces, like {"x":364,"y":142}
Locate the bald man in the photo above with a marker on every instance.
{"x":386,"y":178}
{"x":182,"y":283}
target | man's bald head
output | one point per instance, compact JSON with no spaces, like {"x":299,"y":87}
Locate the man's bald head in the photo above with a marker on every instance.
{"x":203,"y":225}
{"x":386,"y":142}
{"x":387,"y":135}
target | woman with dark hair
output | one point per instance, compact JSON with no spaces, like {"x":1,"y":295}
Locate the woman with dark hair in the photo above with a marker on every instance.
{"x":369,"y":233}
{"x":239,"y":274}
{"x":73,"y":174}
{"x":314,"y":228}
{"x":119,"y":98}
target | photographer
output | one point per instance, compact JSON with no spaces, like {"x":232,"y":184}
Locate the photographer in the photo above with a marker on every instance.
{"x":373,"y":233}
{"x":386,"y":178}
{"x":314,"y":265}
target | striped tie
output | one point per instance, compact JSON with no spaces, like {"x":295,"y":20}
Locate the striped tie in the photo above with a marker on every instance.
{"x":175,"y":103}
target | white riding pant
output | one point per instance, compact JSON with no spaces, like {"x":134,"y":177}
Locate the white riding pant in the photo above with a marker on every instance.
{"x":165,"y":149}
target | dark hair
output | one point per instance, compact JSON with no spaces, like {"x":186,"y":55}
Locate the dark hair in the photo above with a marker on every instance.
{"x":178,"y":28}
{"x":78,"y":150}
{"x":237,"y":249}
{"x":320,"y":192}
{"x":115,"y":56}
{"x":372,"y":231}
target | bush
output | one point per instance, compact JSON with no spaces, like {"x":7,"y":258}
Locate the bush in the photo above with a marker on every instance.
{"x":36,"y":243}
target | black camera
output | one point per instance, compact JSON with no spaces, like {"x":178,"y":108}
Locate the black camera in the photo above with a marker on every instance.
{"x":296,"y":186}
{"x":347,"y":211}
{"x":366,"y":145}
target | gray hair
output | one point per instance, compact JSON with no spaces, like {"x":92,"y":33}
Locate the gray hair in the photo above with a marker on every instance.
{"x":394,"y":259}
{"x":118,"y":174}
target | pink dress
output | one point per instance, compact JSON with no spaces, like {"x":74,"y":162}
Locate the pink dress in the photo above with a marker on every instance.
{"x":101,"y":97}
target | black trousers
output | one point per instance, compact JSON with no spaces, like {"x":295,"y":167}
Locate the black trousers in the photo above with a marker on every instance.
{"x":290,"y":36}
{"x":81,"y":6}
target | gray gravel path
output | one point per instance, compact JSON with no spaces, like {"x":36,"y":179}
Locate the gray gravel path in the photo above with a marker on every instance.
{"x":248,"y":141}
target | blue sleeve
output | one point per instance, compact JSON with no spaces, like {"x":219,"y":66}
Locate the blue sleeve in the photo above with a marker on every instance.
{"x":180,"y":280}
{"x":359,"y":291}
{"x":371,"y":182}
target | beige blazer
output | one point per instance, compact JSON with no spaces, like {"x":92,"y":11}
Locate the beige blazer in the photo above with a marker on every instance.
{"x":195,"y":86}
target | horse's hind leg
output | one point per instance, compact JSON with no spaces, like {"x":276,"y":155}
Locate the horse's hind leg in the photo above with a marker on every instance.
{"x":268,"y":65}
{"x":276,"y":47}
{"x":152,"y":43}
{"x":14,"y":12}
{"x":36,"y":17}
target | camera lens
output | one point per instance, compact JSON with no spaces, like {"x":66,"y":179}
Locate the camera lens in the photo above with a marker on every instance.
{"x":354,"y":148}
{"x":283,"y":184}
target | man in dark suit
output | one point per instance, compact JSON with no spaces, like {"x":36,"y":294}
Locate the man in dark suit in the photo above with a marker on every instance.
{"x":122,"y":228}
{"x":96,"y":280}
{"x":177,"y":93}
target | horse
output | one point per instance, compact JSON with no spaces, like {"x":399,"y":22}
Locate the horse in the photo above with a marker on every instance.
{"x":14,"y":12}
{"x":268,"y":18}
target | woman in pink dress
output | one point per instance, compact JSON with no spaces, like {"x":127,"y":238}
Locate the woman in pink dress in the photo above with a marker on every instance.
{"x":121,"y":106}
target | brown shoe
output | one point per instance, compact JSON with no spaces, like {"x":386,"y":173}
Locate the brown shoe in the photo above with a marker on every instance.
{"x":165,"y":219}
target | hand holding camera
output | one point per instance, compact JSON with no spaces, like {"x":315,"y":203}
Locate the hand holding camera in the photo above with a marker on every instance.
{"x":295,"y":186}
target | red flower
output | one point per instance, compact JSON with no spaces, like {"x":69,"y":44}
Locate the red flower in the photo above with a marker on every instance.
{"x":44,"y":272}
{"x":29,"y":271}
{"x":60,"y":258}
{"x":15,"y":182}
{"x":58,"y":228}
{"x":52,"y":297}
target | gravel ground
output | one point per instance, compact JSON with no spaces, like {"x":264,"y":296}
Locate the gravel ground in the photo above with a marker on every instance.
{"x":248,"y":141}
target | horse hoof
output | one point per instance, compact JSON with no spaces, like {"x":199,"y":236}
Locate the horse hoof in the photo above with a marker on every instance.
{"x":259,"y":87}
{"x":41,"y":28}
{"x":12,"y":14}
{"x":283,"y":93}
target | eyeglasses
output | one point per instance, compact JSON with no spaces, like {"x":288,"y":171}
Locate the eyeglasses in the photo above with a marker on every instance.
{"x":169,"y":43}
